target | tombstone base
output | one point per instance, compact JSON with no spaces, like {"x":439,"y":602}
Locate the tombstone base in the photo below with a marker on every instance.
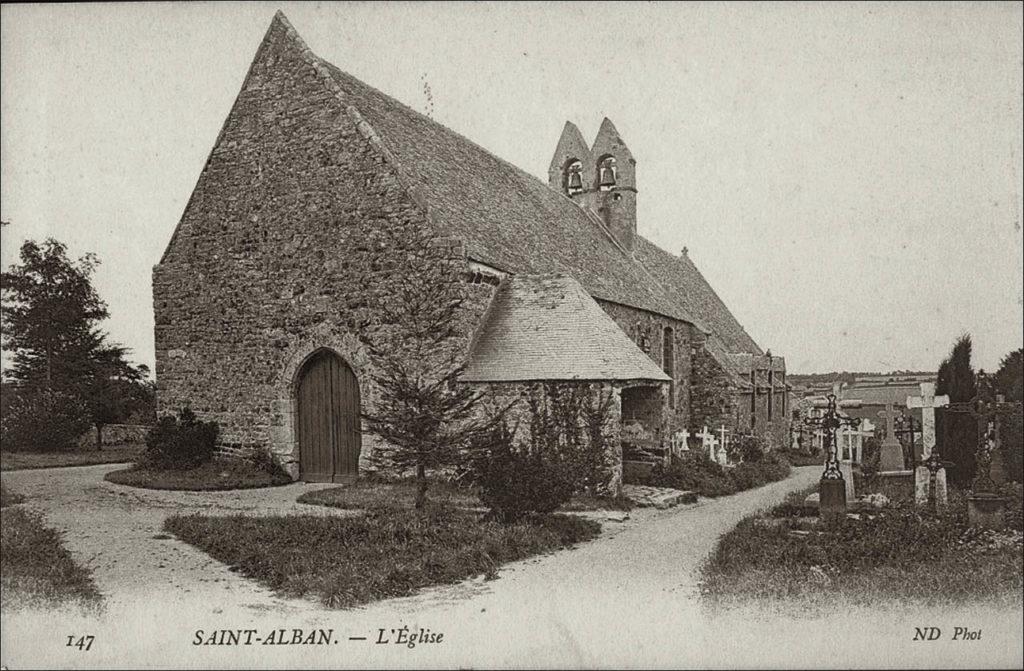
{"x":832,"y":502}
{"x":891,"y":458}
{"x":922,"y":481}
{"x":986,"y":511}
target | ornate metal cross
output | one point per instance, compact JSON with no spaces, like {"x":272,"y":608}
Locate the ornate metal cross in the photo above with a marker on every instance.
{"x":910,"y":430}
{"x":829,"y":422}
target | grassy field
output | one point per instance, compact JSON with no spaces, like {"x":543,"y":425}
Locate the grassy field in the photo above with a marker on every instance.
{"x":9,"y":498}
{"x":211,"y":476}
{"x":374,"y":492}
{"x":110,"y":454}
{"x":902,"y":555}
{"x":35,"y":568}
{"x":388,"y":552}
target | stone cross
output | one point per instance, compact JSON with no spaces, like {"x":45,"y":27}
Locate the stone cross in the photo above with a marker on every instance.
{"x":721,"y":454}
{"x":846,"y":451}
{"x":865,"y":430}
{"x":708,"y":442}
{"x":927,"y":401}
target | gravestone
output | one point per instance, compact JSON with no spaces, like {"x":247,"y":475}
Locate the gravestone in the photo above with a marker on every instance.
{"x":923,"y":478}
{"x":679,"y":442}
{"x":892,"y":452}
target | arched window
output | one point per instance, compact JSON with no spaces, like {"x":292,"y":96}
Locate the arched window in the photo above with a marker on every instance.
{"x":668,"y":362}
{"x":572,"y":177}
{"x":607,"y":173}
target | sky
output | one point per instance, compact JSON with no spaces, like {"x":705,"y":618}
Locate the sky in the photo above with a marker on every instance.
{"x":847,"y":176}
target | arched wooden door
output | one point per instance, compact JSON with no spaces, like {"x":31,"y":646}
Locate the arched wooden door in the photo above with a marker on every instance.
{"x":328,"y":414}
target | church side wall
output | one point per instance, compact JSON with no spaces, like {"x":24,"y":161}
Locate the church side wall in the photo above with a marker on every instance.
{"x":277,"y":254}
{"x":647,"y":330}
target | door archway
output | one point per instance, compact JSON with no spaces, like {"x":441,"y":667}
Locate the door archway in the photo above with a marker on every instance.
{"x":328,"y":428}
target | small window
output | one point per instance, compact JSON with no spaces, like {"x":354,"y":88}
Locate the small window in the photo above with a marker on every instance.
{"x":573,"y":177}
{"x":607,"y":173}
{"x":668,"y":363}
{"x":771,"y":393}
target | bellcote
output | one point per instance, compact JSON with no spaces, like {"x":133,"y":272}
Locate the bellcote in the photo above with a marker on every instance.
{"x":601,"y":178}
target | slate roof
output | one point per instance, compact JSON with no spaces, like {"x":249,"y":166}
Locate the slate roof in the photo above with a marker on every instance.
{"x":547,"y":327}
{"x":510,"y":220}
{"x":687,"y":285}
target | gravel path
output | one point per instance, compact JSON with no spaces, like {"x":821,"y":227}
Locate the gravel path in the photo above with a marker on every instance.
{"x":627,"y":599}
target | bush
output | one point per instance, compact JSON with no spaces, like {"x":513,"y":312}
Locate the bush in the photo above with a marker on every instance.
{"x":518,"y":481}
{"x":748,"y":448}
{"x":263,"y":460}
{"x":696,"y":472}
{"x":180,"y":443}
{"x":1012,"y":435}
{"x":44,"y":420}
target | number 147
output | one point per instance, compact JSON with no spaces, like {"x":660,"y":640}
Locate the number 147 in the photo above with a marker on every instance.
{"x":82,"y":643}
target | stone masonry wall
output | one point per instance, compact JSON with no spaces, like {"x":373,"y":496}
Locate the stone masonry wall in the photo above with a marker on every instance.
{"x":277,"y":254}
{"x":647,"y":330}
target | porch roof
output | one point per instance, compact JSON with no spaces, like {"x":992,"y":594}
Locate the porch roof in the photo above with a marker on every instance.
{"x":547,"y":327}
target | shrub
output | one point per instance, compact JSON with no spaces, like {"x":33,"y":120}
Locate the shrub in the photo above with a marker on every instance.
{"x":263,"y":460}
{"x":522,"y":480}
{"x":696,"y":472}
{"x":1012,"y":434}
{"x":44,"y":420}
{"x":748,"y":448}
{"x":180,"y":443}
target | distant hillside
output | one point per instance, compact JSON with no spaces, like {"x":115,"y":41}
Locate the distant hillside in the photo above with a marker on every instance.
{"x":826,"y":379}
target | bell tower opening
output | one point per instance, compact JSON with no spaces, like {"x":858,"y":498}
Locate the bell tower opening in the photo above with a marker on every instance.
{"x":572,"y":179}
{"x":607,"y":173}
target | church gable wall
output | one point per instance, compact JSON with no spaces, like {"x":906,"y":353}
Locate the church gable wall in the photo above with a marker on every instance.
{"x":277,"y":253}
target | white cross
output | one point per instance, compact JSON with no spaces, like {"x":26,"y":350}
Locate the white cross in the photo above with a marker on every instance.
{"x":927,"y":401}
{"x":679,"y":443}
{"x":708,"y":442}
{"x":722,"y":431}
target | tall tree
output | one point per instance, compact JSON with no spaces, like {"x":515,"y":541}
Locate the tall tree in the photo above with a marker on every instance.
{"x":1009,"y":379}
{"x":50,"y":314}
{"x":958,"y":431}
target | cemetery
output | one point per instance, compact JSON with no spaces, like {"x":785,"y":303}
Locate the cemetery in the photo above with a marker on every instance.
{"x":885,"y":531}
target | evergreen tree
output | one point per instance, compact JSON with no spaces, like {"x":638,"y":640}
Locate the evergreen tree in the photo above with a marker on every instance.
{"x":1010,"y":377}
{"x":50,"y":314}
{"x":424,"y":415}
{"x":957,"y":433}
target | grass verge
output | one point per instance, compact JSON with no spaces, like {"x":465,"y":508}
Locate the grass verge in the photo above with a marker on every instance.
{"x":110,"y":454}
{"x":36,"y":569}
{"x":901,"y":556}
{"x":211,"y":476}
{"x":9,"y":498}
{"x":346,"y":561}
{"x":376,"y":492}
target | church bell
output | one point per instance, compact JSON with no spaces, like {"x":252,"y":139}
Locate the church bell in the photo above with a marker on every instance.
{"x":575,"y":181}
{"x":607,"y":177}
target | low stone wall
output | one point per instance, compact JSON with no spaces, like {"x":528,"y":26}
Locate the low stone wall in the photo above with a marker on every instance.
{"x":116,"y":433}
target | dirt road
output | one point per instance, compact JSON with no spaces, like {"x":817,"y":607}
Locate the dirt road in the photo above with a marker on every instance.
{"x":627,"y":599}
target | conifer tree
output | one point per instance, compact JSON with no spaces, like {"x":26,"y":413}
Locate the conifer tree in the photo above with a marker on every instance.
{"x":957,"y":433}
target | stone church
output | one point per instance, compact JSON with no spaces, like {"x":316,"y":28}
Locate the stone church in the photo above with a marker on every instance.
{"x":252,"y":292}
